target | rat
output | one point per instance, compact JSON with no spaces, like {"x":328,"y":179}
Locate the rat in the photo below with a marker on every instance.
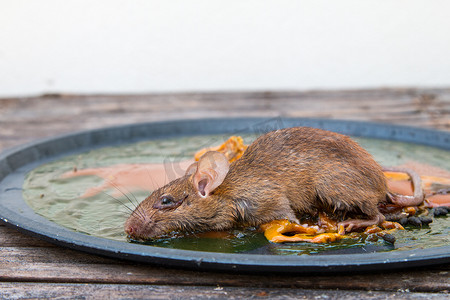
{"x":283,"y":174}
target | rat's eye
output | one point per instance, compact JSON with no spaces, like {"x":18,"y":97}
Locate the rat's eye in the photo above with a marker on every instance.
{"x":167,"y":202}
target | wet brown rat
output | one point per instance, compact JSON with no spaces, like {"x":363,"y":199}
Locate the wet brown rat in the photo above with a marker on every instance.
{"x":282,"y":175}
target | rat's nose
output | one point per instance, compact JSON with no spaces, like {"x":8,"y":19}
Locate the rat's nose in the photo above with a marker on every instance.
{"x":130,"y":230}
{"x":137,"y":228}
{"x":134,"y":231}
{"x":131,"y":227}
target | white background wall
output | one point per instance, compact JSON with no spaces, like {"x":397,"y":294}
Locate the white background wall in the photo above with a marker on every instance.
{"x":112,"y":46}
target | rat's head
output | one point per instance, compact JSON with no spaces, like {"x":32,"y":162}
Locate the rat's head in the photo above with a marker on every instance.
{"x":185,"y":204}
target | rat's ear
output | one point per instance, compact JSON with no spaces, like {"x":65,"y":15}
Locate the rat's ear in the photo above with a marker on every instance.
{"x":212,"y":168}
{"x":191,"y":169}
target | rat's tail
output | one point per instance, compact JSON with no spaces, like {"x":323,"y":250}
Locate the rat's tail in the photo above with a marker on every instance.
{"x":404,"y":200}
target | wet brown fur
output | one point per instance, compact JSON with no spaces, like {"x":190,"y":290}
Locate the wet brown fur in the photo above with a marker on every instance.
{"x":284,"y":174}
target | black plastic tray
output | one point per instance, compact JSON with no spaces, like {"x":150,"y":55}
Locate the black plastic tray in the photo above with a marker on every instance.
{"x":15,"y":163}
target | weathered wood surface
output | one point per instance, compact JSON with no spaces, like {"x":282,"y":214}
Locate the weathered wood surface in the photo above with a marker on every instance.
{"x":25,"y":119}
{"x":115,"y":291}
{"x":45,"y":263}
{"x":31,"y":268}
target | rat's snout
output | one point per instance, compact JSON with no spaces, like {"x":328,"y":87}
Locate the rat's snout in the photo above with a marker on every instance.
{"x":131,"y":229}
{"x":139,"y":228}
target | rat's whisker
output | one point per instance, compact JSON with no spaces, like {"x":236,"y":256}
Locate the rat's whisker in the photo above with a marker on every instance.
{"x":165,"y":182}
{"x":154,"y":185}
{"x":135,"y":204}
{"x":123,"y":204}
{"x":136,"y":210}
{"x":139,"y":212}
{"x":124,"y":214}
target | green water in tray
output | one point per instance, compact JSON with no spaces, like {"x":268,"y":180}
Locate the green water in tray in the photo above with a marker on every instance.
{"x":102,"y":215}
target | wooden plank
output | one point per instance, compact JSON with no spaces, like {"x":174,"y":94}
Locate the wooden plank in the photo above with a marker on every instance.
{"x":119,"y":291}
{"x":21,"y":261}
{"x":33,"y":268}
{"x":10,"y":237}
{"x":25,"y":119}
{"x":64,"y":265}
{"x":54,"y":255}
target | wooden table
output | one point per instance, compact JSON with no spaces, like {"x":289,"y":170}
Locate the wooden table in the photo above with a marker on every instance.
{"x":30,"y":268}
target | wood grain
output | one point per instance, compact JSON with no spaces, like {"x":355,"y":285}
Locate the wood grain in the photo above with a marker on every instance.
{"x":61,"y":265}
{"x":120,"y":291}
{"x":26,"y":119}
{"x":31,"y":268}
{"x":133,"y":274}
{"x":12,"y":238}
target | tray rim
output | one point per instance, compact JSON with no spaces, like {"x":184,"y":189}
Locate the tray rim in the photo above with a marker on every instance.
{"x":102,"y":137}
